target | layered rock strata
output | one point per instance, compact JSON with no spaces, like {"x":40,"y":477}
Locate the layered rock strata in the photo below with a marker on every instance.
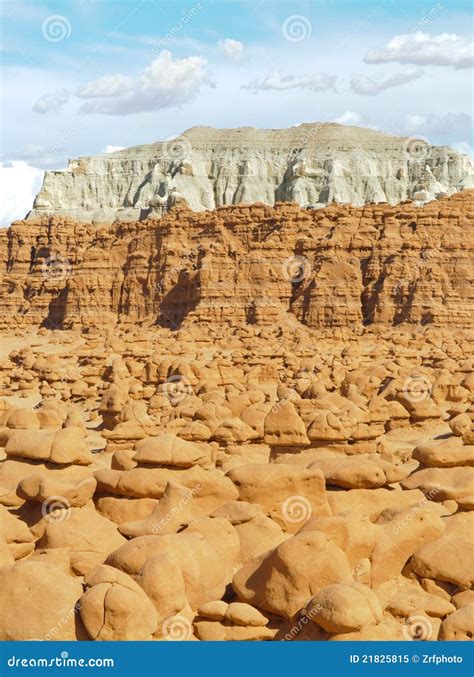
{"x":311,"y":164}
{"x":341,"y":266}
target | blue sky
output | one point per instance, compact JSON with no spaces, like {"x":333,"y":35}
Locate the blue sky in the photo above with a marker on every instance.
{"x":81,"y":76}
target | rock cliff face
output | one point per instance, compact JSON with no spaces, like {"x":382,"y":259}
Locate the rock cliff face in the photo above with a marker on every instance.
{"x":312,"y":164}
{"x":340,"y":266}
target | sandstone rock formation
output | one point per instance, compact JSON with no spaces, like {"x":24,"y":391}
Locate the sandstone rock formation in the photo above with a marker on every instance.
{"x":334,"y":267}
{"x":299,"y":471}
{"x":311,"y":164}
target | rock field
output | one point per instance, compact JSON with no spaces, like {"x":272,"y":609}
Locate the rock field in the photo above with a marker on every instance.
{"x":254,"y":423}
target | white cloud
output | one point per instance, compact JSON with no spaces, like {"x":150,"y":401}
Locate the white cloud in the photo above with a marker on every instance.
{"x":456,"y":126}
{"x":413,"y":121}
{"x":20,"y":183}
{"x":163,"y":84}
{"x":109,"y":85}
{"x":349,"y":117}
{"x":231,"y":48}
{"x":447,"y":49}
{"x":361,"y":84}
{"x":112,"y":149}
{"x":276,"y":80}
{"x":53,"y":101}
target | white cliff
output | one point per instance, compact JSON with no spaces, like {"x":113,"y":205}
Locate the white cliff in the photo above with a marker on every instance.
{"x":312,"y":164}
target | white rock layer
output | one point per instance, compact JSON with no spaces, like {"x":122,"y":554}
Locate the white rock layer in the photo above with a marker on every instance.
{"x":312,"y":164}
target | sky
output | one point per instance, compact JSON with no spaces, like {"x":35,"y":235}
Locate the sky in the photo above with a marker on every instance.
{"x":84,"y":77}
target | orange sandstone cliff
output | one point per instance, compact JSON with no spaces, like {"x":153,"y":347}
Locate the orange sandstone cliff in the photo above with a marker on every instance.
{"x":333,"y":267}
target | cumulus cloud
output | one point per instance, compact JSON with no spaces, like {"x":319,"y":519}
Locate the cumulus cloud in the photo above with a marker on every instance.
{"x":112,"y":149}
{"x":420,"y":49}
{"x":20,"y":184}
{"x":361,"y":84}
{"x":52,"y":102}
{"x":109,"y":85}
{"x":231,"y":48}
{"x":318,"y":82}
{"x":165,"y":83}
